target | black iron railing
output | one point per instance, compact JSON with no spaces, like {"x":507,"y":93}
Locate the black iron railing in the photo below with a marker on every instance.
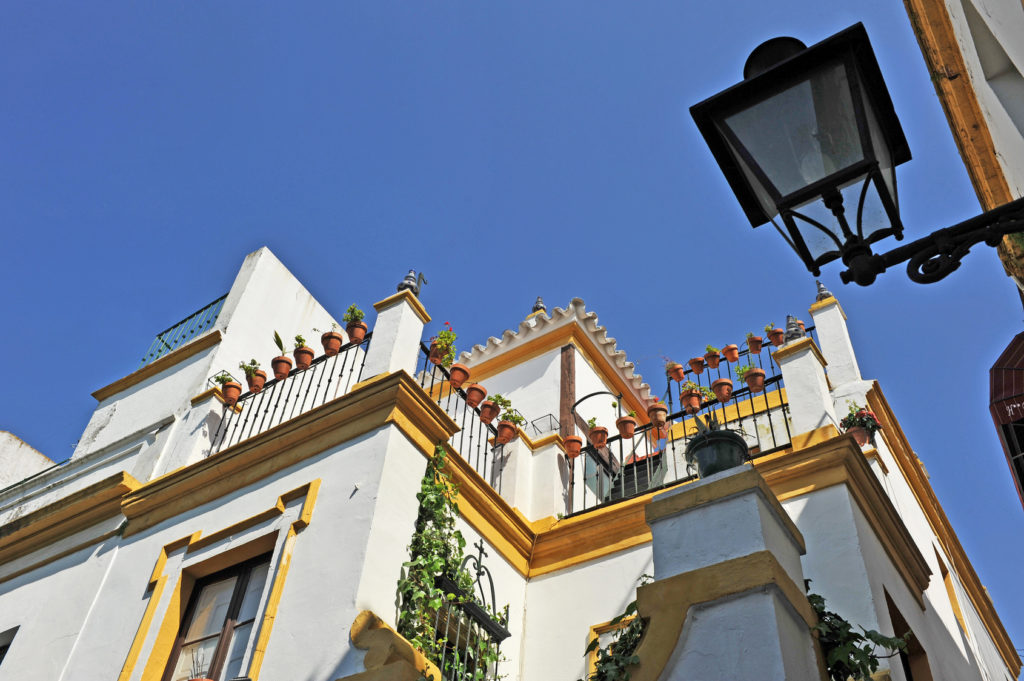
{"x":654,"y":458}
{"x":184,"y":331}
{"x":467,"y":628}
{"x":476,"y":441}
{"x":326,"y":378}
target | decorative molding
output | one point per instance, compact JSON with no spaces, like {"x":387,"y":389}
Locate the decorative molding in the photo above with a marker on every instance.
{"x":794,"y":347}
{"x":217,"y":394}
{"x":389,"y":656}
{"x":406,"y":296}
{"x":913,"y":472}
{"x":394,"y":399}
{"x":207,"y":340}
{"x":822,"y":304}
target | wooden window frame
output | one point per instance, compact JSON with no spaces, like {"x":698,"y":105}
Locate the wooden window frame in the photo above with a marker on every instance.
{"x":242,"y":571}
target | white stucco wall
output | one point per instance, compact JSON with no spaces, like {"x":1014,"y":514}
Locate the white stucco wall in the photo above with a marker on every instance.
{"x":19,"y":460}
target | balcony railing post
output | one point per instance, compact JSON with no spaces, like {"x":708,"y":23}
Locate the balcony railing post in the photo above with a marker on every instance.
{"x":807,"y":391}
{"x":396,"y":335}
{"x":834,"y":337}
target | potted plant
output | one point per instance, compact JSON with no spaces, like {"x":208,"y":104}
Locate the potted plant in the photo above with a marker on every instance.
{"x":626,"y":425}
{"x":331,"y":340}
{"x":489,"y":410}
{"x":722,"y":388}
{"x":691,"y":395}
{"x":657,"y":412}
{"x":282,"y":364}
{"x":731,"y":352}
{"x":354,"y":325}
{"x":715,"y":449}
{"x":303,"y":353}
{"x":442,"y":346}
{"x":674,"y":370}
{"x":573,"y":446}
{"x":230,"y":389}
{"x":598,"y":435}
{"x":198,"y":666}
{"x":510,"y":420}
{"x":753,"y":377}
{"x":696,"y":364}
{"x":711,"y":356}
{"x":754,"y":343}
{"x":253,"y":375}
{"x":776,"y":335}
{"x":475,"y":394}
{"x":861,"y":423}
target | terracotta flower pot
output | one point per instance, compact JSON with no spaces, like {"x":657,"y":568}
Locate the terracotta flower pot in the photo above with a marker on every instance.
{"x":475,"y":394}
{"x":731,"y":352}
{"x":690,"y":399}
{"x":506,"y":432}
{"x":231,"y":390}
{"x":356,"y":331}
{"x":257,"y":380}
{"x":697,"y":365}
{"x":458,"y":374}
{"x":303,"y":357}
{"x":754,"y":344}
{"x":598,"y":436}
{"x":332,"y":342}
{"x":860,"y":434}
{"x":722,"y":389}
{"x":777,"y":336}
{"x":626,"y":426}
{"x":712,"y":359}
{"x":675,"y":371}
{"x":800,"y":323}
{"x":437,"y":353}
{"x":755,"y":380}
{"x":488,"y":411}
{"x":573,"y":445}
{"x":282,"y":366}
{"x":658,"y":413}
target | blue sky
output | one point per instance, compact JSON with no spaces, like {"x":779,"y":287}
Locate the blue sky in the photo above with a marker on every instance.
{"x":507,"y":149}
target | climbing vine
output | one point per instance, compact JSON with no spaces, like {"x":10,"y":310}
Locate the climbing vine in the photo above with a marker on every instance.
{"x":849,"y":654}
{"x":437,"y":550}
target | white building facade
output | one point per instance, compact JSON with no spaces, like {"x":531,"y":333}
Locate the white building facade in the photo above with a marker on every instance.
{"x":265,"y":540}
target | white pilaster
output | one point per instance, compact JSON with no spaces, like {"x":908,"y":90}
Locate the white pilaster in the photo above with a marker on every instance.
{"x":396,"y":335}
{"x":807,"y":389}
{"x":834,"y":337}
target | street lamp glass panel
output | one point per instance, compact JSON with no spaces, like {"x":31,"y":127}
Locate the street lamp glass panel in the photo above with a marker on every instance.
{"x":802,"y":134}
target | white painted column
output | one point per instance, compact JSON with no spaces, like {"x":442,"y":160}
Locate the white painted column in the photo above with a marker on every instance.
{"x":728,"y":524}
{"x":834,"y":337}
{"x":807,"y":390}
{"x":396,"y":335}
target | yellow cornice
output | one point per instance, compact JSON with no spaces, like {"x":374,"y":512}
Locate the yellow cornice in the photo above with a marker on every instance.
{"x":63,"y":518}
{"x":665,"y":604}
{"x":406,"y":296}
{"x":207,"y":340}
{"x":917,"y":479}
{"x":840,"y":461}
{"x":827,"y":302}
{"x":794,"y":347}
{"x":569,"y":333}
{"x":214,"y":393}
{"x":393,"y":399}
{"x":699,"y":495}
{"x":389,"y":657}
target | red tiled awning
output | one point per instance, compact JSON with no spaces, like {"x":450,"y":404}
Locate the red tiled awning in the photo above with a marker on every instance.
{"x":1006,"y":383}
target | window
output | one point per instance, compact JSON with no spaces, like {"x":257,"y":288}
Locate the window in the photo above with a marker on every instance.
{"x":218,"y":627}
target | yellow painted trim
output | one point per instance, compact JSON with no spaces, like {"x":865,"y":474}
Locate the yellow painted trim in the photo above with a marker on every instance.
{"x":840,"y":462}
{"x":569,"y":333}
{"x":822,"y":304}
{"x":699,"y":495}
{"x":216,"y":393}
{"x":813,"y":437}
{"x":168,"y":631}
{"x":207,"y":340}
{"x":389,"y":657}
{"x":764,"y":402}
{"x":794,"y":347}
{"x":406,"y":296}
{"x":913,"y":472}
{"x":395,"y":399}
{"x":534,"y":445}
{"x":665,"y":604}
{"x":63,"y":518}
{"x":596,"y":631}
{"x":872,"y":453}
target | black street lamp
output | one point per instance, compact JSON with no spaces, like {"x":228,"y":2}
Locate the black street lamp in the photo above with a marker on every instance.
{"x":811,"y":136}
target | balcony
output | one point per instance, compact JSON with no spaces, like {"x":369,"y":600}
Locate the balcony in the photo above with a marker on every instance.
{"x":188,"y":329}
